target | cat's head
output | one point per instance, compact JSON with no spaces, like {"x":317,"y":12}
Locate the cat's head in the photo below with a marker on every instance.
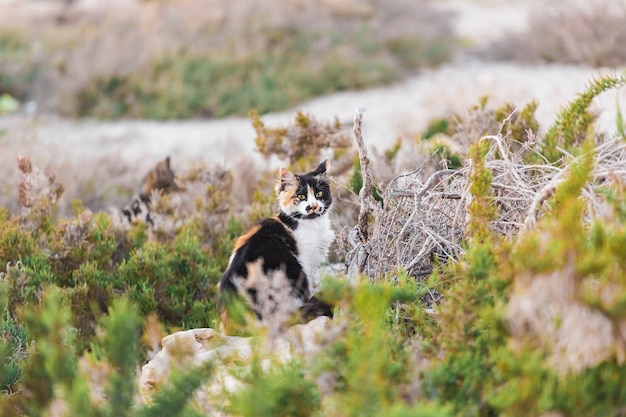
{"x":160,"y":178}
{"x":306,"y":195}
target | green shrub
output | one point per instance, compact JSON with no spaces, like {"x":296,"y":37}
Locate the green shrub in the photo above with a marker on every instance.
{"x":284,"y":391}
{"x":176,"y":280}
{"x":574,"y":123}
{"x":53,"y":377}
{"x":436,"y":126}
{"x":177,"y":87}
{"x":355,"y":182}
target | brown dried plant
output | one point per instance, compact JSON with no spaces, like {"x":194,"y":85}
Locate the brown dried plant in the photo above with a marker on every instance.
{"x":422,"y":221}
{"x":205,"y":202}
{"x":39,"y":193}
{"x":304,"y":138}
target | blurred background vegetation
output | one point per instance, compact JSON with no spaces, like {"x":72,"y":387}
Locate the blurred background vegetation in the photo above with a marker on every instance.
{"x":207,"y":58}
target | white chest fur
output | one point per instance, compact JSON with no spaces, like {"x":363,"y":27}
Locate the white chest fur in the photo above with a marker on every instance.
{"x":313,"y":237}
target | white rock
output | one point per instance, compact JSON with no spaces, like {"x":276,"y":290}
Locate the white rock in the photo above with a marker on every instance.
{"x":197,"y":346}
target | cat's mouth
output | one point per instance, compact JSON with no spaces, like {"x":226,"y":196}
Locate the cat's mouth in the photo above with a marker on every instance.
{"x":315,"y":210}
{"x":310,"y":213}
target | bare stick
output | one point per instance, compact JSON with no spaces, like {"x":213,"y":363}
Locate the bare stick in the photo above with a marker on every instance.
{"x":427,"y":185}
{"x":365,"y":194}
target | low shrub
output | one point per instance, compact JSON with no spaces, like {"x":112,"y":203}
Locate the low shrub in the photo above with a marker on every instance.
{"x":493,"y":289}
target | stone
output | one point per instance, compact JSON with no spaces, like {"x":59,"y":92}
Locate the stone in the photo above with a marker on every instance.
{"x":197,"y":346}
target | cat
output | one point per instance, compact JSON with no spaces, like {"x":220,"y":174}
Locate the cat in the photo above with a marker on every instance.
{"x":161,"y":178}
{"x":292,"y":243}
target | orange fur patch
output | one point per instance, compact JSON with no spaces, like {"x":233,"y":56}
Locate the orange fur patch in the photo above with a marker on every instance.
{"x":288,"y":196}
{"x":244,"y":238}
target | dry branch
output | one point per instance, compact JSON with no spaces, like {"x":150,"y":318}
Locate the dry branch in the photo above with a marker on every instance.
{"x":422,"y":220}
{"x":365,"y":194}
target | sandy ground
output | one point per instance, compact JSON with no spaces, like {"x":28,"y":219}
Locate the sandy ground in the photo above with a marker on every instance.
{"x":71,"y":147}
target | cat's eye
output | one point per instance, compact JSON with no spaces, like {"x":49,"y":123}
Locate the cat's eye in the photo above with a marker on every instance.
{"x":319,"y":194}
{"x":301,"y":197}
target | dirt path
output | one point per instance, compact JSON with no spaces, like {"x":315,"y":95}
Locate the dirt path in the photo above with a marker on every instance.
{"x":400,"y":110}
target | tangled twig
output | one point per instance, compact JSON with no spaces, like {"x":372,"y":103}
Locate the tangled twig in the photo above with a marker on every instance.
{"x":422,"y":222}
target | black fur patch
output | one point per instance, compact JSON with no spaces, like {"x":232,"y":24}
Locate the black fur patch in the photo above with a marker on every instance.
{"x":271,"y":243}
{"x":274,"y":244}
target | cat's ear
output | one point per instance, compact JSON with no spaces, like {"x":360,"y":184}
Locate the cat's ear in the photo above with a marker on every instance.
{"x":286,"y":179}
{"x":321,"y":168}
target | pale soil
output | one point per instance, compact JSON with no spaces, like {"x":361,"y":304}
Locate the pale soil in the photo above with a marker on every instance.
{"x":115,"y":155}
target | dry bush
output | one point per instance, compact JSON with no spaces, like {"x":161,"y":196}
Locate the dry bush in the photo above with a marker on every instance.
{"x":39,"y":193}
{"x":206,"y":202}
{"x":106,"y":181}
{"x":302,"y":140}
{"x":422,"y":219}
{"x":579,"y":32}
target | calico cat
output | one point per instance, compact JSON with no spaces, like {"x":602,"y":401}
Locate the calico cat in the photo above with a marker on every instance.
{"x":294,"y":242}
{"x":160,"y":178}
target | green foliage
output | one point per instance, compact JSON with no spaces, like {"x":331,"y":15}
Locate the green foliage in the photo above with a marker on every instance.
{"x":13,"y":342}
{"x":14,"y":84}
{"x":12,"y":44}
{"x":290,"y":70}
{"x":435,"y":127}
{"x":185,"y":86}
{"x":15,"y":241}
{"x":391,"y":153}
{"x":53,"y":373}
{"x":284,"y":391}
{"x":371,"y":371}
{"x":529,"y":384}
{"x":175,"y":279}
{"x":470,"y":335}
{"x":412,"y":52}
{"x":468,"y":328}
{"x":517,"y":123}
{"x":452,"y":160}
{"x":174,"y":399}
{"x":481,"y":209}
{"x":172,"y":280}
{"x":8,"y":104}
{"x":355,"y":182}
{"x":573,"y":124}
{"x":120,"y":345}
{"x":53,"y":363}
